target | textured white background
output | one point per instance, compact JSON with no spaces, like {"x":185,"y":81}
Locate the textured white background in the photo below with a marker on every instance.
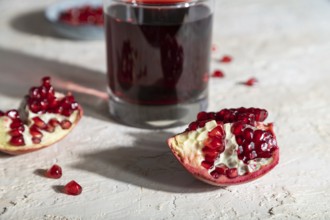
{"x":128,"y":173}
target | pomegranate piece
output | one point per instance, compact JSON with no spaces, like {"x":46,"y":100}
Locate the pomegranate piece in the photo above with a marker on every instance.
{"x":72,"y":188}
{"x":226,"y":59}
{"x":54,"y":172}
{"x":44,"y":117}
{"x":228,"y":147}
{"x":218,"y":74}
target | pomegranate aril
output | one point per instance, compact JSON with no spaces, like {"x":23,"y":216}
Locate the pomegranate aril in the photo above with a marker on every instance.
{"x":232,"y":173}
{"x":53,"y":122}
{"x":226,"y":59}
{"x":17,"y":141}
{"x":54,"y":172}
{"x":34,"y":93}
{"x":67,"y":112}
{"x":45,"y":81}
{"x":251,"y":82}
{"x":36,"y":140}
{"x":239,"y":140}
{"x":252,"y":155}
{"x":218,"y":74}
{"x":52,"y":103}
{"x":66,"y":124}
{"x":201,"y":124}
{"x":193,"y":126}
{"x":13,"y":114}
{"x":261,"y":115}
{"x":215,"y":174}
{"x":70,"y":98}
{"x":221,"y":169}
{"x":34,"y":107}
{"x":39,"y":122}
{"x":217,"y":132}
{"x":237,"y":128}
{"x":49,"y":128}
{"x":34,"y":131}
{"x":206,"y":164}
{"x":16,"y":123}
{"x":43,"y":92}
{"x":202,"y":116}
{"x":16,"y":132}
{"x":72,"y":188}
{"x":44,"y":105}
{"x":257,"y":135}
{"x":215,"y":143}
{"x":248,"y":134}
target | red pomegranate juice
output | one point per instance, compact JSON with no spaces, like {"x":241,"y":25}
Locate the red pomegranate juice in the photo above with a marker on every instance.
{"x":159,"y":56}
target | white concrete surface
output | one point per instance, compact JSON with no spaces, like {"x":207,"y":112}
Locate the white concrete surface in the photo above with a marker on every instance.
{"x":128,"y":173}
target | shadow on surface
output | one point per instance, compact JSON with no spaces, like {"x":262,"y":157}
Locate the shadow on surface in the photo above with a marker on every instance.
{"x":35,"y":23}
{"x":40,"y":172}
{"x":148,"y":163}
{"x":19,"y":72}
{"x":58,"y":188}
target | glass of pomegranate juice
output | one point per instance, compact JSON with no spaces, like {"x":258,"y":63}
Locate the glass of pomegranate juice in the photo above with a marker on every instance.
{"x":158,"y":56}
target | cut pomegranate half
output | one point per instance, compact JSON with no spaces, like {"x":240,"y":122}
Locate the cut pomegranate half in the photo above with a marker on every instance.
{"x":232,"y":146}
{"x":44,"y":117}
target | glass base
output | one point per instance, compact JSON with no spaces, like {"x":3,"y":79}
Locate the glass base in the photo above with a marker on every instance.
{"x":155,"y":117}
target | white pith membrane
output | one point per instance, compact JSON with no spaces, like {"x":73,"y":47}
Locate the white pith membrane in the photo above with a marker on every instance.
{"x":47,"y":137}
{"x":189,"y":147}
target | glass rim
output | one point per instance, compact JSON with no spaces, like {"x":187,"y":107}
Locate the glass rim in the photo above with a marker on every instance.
{"x":184,"y":4}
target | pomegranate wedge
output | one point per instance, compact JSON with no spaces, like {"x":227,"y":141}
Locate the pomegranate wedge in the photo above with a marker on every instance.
{"x":232,"y":146}
{"x":43,"y":118}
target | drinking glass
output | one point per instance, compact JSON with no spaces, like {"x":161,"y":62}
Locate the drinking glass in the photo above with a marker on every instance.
{"x":158,"y":58}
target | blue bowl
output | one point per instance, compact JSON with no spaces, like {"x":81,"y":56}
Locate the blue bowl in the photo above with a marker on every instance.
{"x":81,"y":32}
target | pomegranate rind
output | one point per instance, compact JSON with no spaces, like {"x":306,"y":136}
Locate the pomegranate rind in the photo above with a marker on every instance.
{"x":56,"y":137}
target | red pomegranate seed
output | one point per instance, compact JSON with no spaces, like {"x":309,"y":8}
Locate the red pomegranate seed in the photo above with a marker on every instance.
{"x":34,"y":107}
{"x":206,"y":164}
{"x":215,"y":174}
{"x":218,"y":74}
{"x":72,"y":188}
{"x":53,"y":122}
{"x":216,"y":132}
{"x":226,"y":59}
{"x":66,"y":124}
{"x":34,"y":131}
{"x":34,"y":92}
{"x":39,"y":122}
{"x":16,"y":123}
{"x":49,"y":128}
{"x":193,"y":126}
{"x":67,"y":112}
{"x":45,"y":81}
{"x":202,"y":116}
{"x":232,"y":173}
{"x":251,"y":82}
{"x":36,"y":140}
{"x":54,"y":172}
{"x":13,"y":114}
{"x":216,"y":143}
{"x":17,"y":141}
{"x":43,"y":92}
{"x":237,"y":128}
{"x":16,"y":132}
